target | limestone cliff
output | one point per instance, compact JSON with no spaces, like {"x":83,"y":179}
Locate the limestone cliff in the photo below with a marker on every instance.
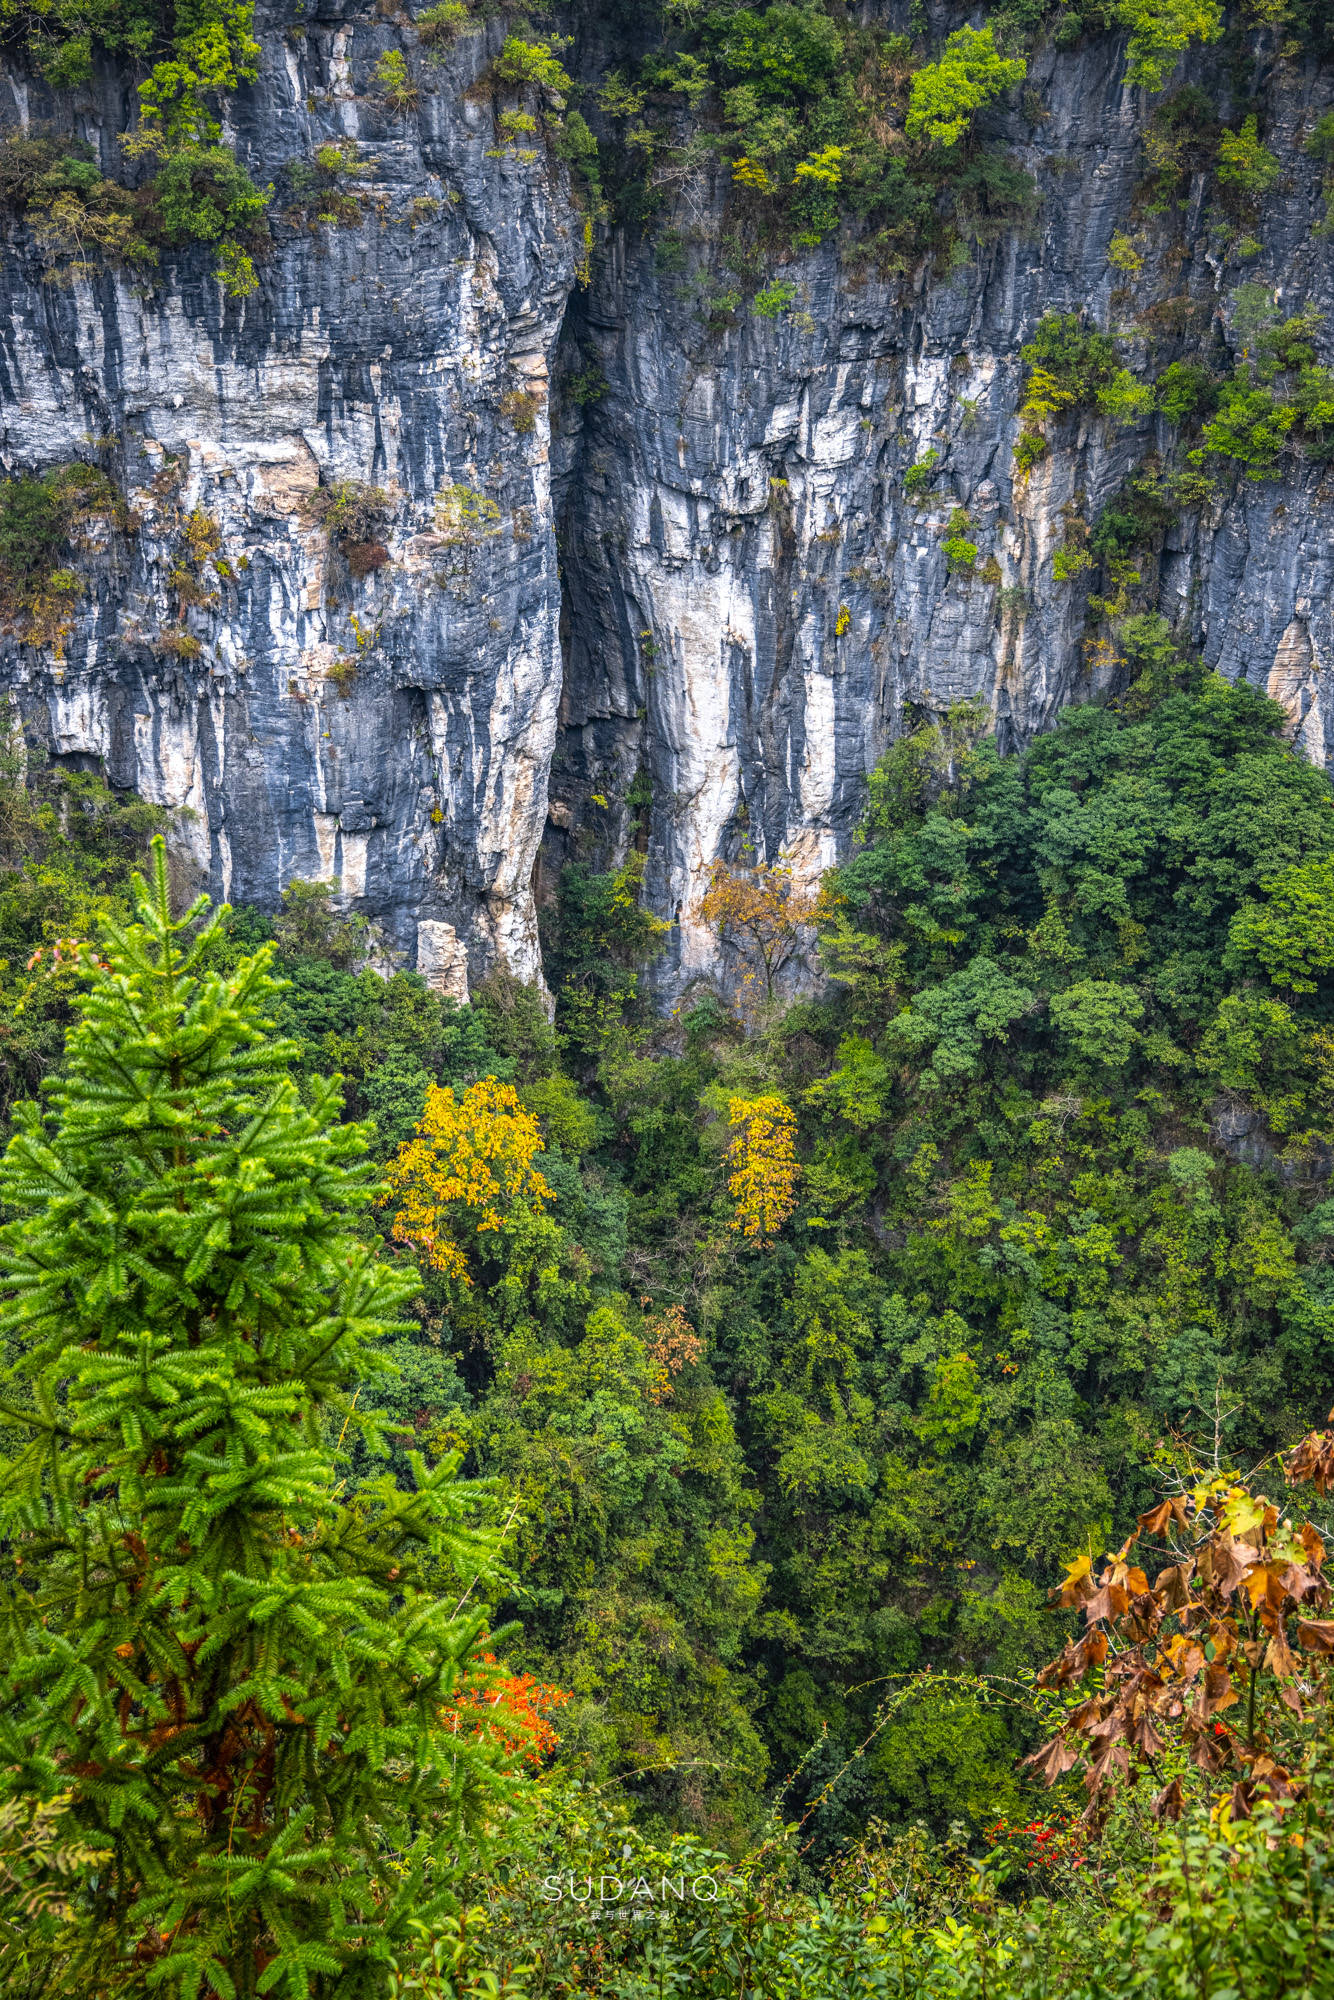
{"x":396,"y":730}
{"x":683,"y":595}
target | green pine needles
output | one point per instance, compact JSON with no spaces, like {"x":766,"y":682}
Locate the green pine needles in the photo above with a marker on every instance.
{"x":232,"y":1756}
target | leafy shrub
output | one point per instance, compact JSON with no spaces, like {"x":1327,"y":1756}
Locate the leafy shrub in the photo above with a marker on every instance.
{"x":520,"y":407}
{"x":202,"y":193}
{"x":41,"y":520}
{"x":1246,"y":166}
{"x":945,"y":94}
{"x":576,"y":144}
{"x":513,"y":126}
{"x":82,"y":220}
{"x":1070,"y":562}
{"x":236,"y":271}
{"x":309,"y":927}
{"x":1074,"y":361}
{"x":1069,"y":364}
{"x":523,"y":62}
{"x":1291,"y":934}
{"x":353,"y":515}
{"x":178,"y":643}
{"x":213,"y":51}
{"x":784,"y":51}
{"x":1185,"y":391}
{"x":1181,"y":138}
{"x":773,"y":300}
{"x":321,"y":187}
{"x":24,"y":160}
{"x":960,"y":552}
{"x":465,"y":516}
{"x":992,"y":193}
{"x":1160,"y":30}
{"x":1125,"y":399}
{"x":33,"y":529}
{"x":599,"y":938}
{"x":813,"y":109}
{"x":440,"y":25}
{"x":1123,"y":256}
{"x":919,"y":478}
{"x":587,"y":384}
{"x":1281,"y":390}
{"x":1029,"y":447}
{"x":392,"y":80}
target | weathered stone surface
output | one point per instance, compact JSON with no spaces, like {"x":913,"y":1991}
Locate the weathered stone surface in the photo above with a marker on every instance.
{"x":748,"y":605}
{"x":737,"y":494}
{"x":417,"y":775}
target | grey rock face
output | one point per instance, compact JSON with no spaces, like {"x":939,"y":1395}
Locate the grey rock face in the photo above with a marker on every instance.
{"x":748,"y":603}
{"x":394,"y":732}
{"x":755,"y":604}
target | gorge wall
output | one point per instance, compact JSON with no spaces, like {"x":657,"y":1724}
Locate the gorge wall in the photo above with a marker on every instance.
{"x":654,"y":575}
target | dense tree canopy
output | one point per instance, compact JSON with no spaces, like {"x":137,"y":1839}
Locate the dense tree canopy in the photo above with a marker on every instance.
{"x":804,"y":1345}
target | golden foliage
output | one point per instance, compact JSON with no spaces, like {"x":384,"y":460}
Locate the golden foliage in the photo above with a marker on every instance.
{"x":763,"y":1180}
{"x":469,"y":1163}
{"x":760,"y":914}
{"x":752,"y":174}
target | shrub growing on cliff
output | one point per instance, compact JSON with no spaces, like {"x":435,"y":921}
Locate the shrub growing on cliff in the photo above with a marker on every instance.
{"x":536,"y":63}
{"x":202,"y":194}
{"x":960,"y":549}
{"x":1160,"y":30}
{"x":1278,"y":391}
{"x":198,"y":55}
{"x":760,"y":915}
{"x":1071,"y":365}
{"x":441,"y":25}
{"x":969,"y":74}
{"x":322,"y":187}
{"x":783,"y":50}
{"x":229,"y":1691}
{"x":354,"y":516}
{"x":393,"y":81}
{"x":1245,"y":164}
{"x":41,"y":520}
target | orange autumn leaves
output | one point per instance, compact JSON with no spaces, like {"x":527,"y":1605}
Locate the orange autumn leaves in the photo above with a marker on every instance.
{"x":671,"y":1344}
{"x":1214,"y":1671}
{"x":512,"y":1710}
{"x":467,"y":1167}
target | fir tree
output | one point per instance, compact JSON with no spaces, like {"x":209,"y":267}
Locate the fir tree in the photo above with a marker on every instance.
{"x":231,"y":1728}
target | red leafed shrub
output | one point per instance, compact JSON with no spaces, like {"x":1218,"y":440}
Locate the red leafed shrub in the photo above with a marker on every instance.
{"x":510,"y":1708}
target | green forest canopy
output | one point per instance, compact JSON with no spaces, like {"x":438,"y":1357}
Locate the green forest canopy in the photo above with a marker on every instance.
{"x":1063,"y":1129}
{"x":787,"y":1513}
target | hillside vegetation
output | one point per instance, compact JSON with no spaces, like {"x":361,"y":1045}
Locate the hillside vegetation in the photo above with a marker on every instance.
{"x":801,"y":1344}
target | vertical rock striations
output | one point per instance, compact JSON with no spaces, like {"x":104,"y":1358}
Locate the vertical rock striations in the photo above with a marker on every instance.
{"x":753,"y":592}
{"x":392,"y":730}
{"x":755,"y":599}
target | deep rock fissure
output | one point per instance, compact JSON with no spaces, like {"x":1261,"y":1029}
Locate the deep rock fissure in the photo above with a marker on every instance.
{"x":688,"y":607}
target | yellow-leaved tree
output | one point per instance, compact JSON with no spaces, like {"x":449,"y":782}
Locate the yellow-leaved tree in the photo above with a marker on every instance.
{"x":764,"y":1169}
{"x":762,"y":919}
{"x":468,"y":1170}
